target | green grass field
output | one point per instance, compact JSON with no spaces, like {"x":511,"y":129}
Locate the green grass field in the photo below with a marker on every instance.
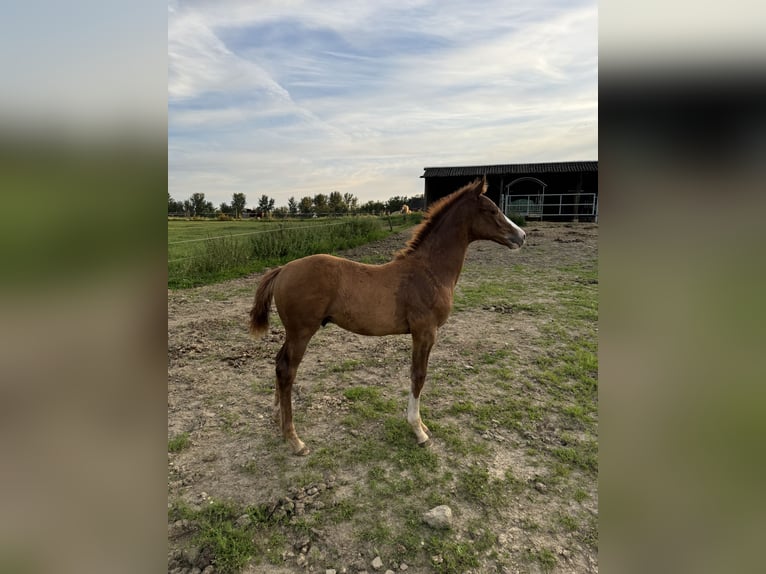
{"x":203,"y":252}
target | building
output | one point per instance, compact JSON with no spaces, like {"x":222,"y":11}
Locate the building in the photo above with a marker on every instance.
{"x":559,"y":191}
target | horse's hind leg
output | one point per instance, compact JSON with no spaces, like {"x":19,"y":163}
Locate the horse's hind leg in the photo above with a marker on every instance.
{"x":288,"y":359}
{"x":422,"y":342}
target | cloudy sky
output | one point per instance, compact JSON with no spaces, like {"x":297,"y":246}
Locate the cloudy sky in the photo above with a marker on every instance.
{"x":295,"y":98}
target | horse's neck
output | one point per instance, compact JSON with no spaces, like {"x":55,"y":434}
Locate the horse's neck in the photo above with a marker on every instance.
{"x":444,"y":253}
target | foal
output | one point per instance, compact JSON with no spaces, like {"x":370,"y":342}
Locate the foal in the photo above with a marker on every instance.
{"x":410,"y":294}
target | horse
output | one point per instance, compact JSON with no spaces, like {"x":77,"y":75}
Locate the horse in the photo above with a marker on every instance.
{"x":411,"y":294}
{"x":405,"y":210}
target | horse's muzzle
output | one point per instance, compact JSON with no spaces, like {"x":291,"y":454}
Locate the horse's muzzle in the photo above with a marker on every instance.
{"x":516,"y":240}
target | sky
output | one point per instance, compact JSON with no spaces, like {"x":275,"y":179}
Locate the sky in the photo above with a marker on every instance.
{"x":295,"y":98}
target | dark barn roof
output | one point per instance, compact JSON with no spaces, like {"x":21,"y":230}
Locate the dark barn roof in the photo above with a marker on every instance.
{"x":553,"y":167}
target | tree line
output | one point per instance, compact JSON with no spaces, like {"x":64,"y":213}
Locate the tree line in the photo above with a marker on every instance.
{"x":320,"y":204}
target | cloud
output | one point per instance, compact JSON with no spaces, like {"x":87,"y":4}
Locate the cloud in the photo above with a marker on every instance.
{"x":292,"y":98}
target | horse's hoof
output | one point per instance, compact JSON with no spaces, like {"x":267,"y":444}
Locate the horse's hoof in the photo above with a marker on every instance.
{"x":426,"y":443}
{"x":303,"y":452}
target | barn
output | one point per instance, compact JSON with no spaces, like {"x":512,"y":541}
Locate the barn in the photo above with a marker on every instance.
{"x":555,"y":191}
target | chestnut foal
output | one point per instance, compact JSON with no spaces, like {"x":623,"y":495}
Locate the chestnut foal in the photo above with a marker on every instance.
{"x":410,"y":294}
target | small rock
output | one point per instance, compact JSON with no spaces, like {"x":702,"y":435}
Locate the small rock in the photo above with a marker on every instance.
{"x":330,"y":571}
{"x":195,"y":570}
{"x":439,"y":517}
{"x":540,"y":487}
{"x":243,"y":521}
{"x":209,"y":457}
{"x":403,"y":567}
{"x":301,"y":560}
{"x":437,"y":559}
{"x":390,"y":572}
{"x":377,"y":563}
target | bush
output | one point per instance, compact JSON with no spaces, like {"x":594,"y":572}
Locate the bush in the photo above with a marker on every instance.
{"x":518,"y":219}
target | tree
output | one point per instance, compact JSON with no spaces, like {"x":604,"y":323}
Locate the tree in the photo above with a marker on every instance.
{"x":238,"y":201}
{"x":320,"y":203}
{"x":306,"y":205}
{"x":197,"y":205}
{"x":265,"y":204}
{"x":292,"y":206}
{"x":226,"y":208}
{"x":335,"y":203}
{"x":280,"y":212}
{"x":351,"y":201}
{"x":373,"y":207}
{"x":174,"y":206}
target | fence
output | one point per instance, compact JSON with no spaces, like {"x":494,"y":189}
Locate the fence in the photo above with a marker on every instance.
{"x":552,"y":205}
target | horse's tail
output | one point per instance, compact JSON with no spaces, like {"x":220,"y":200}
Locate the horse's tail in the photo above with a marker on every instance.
{"x":259,"y":314}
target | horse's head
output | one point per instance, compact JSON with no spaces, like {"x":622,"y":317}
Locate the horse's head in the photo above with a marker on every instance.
{"x":490,"y":223}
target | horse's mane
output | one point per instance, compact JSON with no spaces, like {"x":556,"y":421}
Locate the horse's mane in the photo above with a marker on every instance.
{"x":434,"y":214}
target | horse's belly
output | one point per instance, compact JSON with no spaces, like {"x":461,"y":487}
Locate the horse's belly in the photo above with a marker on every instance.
{"x":370,"y":322}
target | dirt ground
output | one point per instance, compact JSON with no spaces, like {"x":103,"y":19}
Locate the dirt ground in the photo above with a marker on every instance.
{"x":220,"y":385}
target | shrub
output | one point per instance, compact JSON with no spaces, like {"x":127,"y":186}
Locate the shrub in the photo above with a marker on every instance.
{"x":518,"y":219}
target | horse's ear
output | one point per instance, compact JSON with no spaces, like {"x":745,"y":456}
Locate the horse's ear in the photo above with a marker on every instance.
{"x":484,"y":185}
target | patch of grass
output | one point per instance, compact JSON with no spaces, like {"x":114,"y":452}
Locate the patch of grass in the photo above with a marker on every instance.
{"x":483,"y":294}
{"x":568,"y":522}
{"x":345,"y":366}
{"x":452,"y":557}
{"x":377,"y":533}
{"x":273,"y":546}
{"x":368,"y":402}
{"x":494,"y":357}
{"x":230,"y":546}
{"x":475,"y":485}
{"x":577,"y":414}
{"x":325,"y":458}
{"x":179,"y":442}
{"x":453,"y":438}
{"x":583,"y":455}
{"x":544,"y":557}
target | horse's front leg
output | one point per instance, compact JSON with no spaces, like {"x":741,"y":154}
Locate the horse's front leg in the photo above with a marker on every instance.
{"x":422,"y":342}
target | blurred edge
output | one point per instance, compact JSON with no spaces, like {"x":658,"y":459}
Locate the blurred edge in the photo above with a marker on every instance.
{"x":83,"y":168}
{"x":683,"y":321}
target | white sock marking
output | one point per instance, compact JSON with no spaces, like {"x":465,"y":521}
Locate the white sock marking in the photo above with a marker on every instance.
{"x":413,"y":417}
